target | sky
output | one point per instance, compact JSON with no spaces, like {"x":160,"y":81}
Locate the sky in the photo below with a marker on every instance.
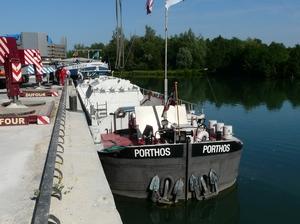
{"x":91,"y":21}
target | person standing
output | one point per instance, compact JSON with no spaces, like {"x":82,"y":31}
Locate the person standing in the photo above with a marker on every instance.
{"x":62,"y":75}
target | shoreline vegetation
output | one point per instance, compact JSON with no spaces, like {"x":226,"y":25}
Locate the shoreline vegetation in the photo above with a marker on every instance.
{"x":189,"y":54}
{"x":180,"y":73}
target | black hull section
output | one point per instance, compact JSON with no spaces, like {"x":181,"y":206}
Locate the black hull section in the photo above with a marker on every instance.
{"x":130,"y":170}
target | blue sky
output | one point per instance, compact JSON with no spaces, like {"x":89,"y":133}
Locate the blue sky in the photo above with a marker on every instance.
{"x":92,"y":21}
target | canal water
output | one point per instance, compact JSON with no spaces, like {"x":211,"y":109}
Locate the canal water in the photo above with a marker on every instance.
{"x":266,"y":116}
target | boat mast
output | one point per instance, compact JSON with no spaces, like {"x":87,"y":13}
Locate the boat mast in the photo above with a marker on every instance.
{"x":119,"y":63}
{"x":166,"y":57}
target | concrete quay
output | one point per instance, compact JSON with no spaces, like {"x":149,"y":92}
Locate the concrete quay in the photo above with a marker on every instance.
{"x":23,"y":151}
{"x":86,"y":196}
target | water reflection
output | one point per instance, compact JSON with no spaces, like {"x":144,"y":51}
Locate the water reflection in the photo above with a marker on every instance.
{"x":248,"y":93}
{"x":222,"y":210}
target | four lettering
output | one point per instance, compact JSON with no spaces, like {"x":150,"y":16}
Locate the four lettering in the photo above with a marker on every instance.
{"x":12,"y":121}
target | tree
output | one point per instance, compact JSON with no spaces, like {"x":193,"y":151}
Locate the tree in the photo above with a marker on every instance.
{"x":216,"y":54}
{"x":255,"y":59}
{"x":149,"y":33}
{"x":278,"y":58}
{"x":293,"y":63}
{"x":188,"y":40}
{"x":184,"y":58}
{"x":221,"y":56}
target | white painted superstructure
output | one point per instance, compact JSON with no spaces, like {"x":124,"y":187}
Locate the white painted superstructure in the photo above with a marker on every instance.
{"x":102,"y":97}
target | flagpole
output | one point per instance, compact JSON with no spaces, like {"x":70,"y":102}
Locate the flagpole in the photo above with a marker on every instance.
{"x":166,"y":56}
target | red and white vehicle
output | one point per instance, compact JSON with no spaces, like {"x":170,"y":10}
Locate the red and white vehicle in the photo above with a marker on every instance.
{"x":8,"y":47}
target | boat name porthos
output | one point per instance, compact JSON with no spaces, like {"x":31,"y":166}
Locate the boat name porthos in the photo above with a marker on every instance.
{"x":211,"y":149}
{"x":152,"y":152}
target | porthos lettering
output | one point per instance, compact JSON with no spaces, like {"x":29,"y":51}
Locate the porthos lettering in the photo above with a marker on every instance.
{"x":211,"y":149}
{"x":152,"y":152}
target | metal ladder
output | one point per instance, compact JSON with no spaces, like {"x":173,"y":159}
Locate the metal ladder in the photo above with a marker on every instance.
{"x":101,"y":110}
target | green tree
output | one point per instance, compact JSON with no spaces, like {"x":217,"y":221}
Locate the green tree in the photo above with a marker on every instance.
{"x":221,"y":56}
{"x":293,"y":63}
{"x":149,"y":33}
{"x":216,"y":54}
{"x":188,"y":40}
{"x":255,"y":59}
{"x":184,"y":58}
{"x":278,"y":58}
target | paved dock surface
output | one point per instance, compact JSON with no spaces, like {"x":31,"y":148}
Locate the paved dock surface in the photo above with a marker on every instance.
{"x":23,"y":150}
{"x":86,"y":197}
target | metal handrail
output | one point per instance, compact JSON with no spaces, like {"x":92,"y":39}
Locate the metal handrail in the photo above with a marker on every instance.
{"x":190,"y":105}
{"x":42,"y":207}
{"x":86,"y":99}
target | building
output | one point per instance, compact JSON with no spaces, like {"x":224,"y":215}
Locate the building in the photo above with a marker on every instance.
{"x":41,"y":41}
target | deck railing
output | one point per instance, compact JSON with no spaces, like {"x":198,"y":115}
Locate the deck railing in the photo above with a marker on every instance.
{"x":189,"y":105}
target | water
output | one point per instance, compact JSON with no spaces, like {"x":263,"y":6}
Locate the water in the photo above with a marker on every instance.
{"x":266,"y":116}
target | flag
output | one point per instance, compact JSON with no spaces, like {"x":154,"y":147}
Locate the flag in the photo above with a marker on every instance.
{"x":172,"y":2}
{"x":149,"y":6}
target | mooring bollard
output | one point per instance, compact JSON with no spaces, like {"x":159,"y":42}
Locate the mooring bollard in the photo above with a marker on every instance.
{"x":70,"y":81}
{"x":73,"y":102}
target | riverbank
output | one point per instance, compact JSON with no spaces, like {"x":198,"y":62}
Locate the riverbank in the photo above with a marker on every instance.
{"x":160,"y":73}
